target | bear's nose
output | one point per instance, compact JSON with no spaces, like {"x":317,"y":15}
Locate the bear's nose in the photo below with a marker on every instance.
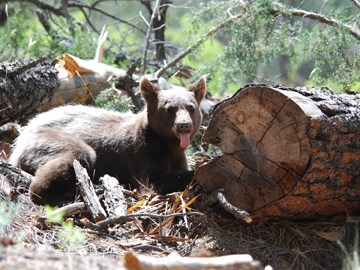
{"x":184,"y":127}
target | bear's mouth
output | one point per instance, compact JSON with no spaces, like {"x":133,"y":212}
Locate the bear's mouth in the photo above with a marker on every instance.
{"x":184,"y":140}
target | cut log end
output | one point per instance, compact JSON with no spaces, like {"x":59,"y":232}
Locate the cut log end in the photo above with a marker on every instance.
{"x":265,"y":145}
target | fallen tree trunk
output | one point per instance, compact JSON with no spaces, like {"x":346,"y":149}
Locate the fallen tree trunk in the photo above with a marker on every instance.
{"x":24,"y":86}
{"x":286,"y":152}
{"x":31,"y":86}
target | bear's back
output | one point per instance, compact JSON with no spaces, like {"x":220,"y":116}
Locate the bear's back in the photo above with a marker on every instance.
{"x":89,"y":124}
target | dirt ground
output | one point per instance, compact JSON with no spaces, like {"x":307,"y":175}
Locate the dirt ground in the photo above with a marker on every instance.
{"x":28,"y":242}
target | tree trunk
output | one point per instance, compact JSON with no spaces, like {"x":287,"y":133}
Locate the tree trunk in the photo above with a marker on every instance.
{"x":286,"y":152}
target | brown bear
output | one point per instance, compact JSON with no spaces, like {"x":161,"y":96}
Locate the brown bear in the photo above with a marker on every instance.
{"x":148,"y":146}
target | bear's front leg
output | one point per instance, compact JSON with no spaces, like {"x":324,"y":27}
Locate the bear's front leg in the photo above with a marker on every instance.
{"x":173,"y":181}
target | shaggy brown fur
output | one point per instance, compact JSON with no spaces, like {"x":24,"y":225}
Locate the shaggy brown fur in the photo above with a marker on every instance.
{"x":145,"y":146}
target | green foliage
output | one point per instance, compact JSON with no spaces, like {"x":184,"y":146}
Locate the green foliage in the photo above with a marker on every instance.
{"x":18,"y":40}
{"x":267,"y":44}
{"x":111,"y":100}
{"x":70,"y":237}
{"x":8,"y":211}
{"x":254,"y":44}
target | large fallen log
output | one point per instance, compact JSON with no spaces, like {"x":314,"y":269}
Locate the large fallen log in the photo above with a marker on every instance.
{"x":32,"y":85}
{"x":286,"y":152}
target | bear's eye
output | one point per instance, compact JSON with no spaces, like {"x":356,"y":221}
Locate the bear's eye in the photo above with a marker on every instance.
{"x":190,"y":108}
{"x":171,"y":109}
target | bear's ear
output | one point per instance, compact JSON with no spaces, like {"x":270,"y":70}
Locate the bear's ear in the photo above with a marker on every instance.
{"x":148,"y":90}
{"x":199,"y":89}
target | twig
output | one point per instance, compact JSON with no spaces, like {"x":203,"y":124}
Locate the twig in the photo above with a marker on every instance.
{"x":100,"y":45}
{"x":237,"y":212}
{"x":122,"y":219}
{"x":218,"y":196}
{"x":79,"y":4}
{"x":67,"y":210}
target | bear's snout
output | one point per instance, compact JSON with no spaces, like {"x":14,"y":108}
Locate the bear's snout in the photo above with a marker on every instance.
{"x":184,"y":127}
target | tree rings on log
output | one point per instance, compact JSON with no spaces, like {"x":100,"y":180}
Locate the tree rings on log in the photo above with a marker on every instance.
{"x":269,"y":138}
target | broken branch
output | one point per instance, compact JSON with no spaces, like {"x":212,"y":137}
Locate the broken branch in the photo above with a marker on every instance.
{"x":122,"y":219}
{"x":174,"y":261}
{"x":88,"y":193}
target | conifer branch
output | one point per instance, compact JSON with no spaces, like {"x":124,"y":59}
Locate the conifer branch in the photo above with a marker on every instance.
{"x":276,"y":10}
{"x":321,"y":18}
{"x":197,"y":44}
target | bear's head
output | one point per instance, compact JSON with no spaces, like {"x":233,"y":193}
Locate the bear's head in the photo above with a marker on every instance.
{"x":174,"y":114}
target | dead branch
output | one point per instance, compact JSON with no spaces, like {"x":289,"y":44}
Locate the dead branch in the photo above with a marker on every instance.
{"x":279,"y":10}
{"x":101,"y":225}
{"x":356,"y":3}
{"x":218,"y":196}
{"x":66,"y":211}
{"x":127,"y":83}
{"x":88,"y":193}
{"x":100,"y":46}
{"x":174,"y":261}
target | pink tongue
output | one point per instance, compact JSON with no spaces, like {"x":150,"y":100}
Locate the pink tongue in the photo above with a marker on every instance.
{"x":184,"y":140}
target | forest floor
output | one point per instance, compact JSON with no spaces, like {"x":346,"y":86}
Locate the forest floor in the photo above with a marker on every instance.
{"x":29,"y":242}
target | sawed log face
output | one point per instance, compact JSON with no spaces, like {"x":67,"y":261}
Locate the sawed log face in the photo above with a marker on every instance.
{"x":286,"y":152}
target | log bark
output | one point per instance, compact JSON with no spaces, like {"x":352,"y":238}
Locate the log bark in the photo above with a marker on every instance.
{"x":286,"y":152}
{"x":113,"y":196}
{"x":24,"y":86}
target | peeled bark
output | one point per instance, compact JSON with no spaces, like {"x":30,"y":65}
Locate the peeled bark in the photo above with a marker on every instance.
{"x":286,"y":152}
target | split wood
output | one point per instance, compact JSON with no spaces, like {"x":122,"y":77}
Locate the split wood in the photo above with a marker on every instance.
{"x":88,"y":192}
